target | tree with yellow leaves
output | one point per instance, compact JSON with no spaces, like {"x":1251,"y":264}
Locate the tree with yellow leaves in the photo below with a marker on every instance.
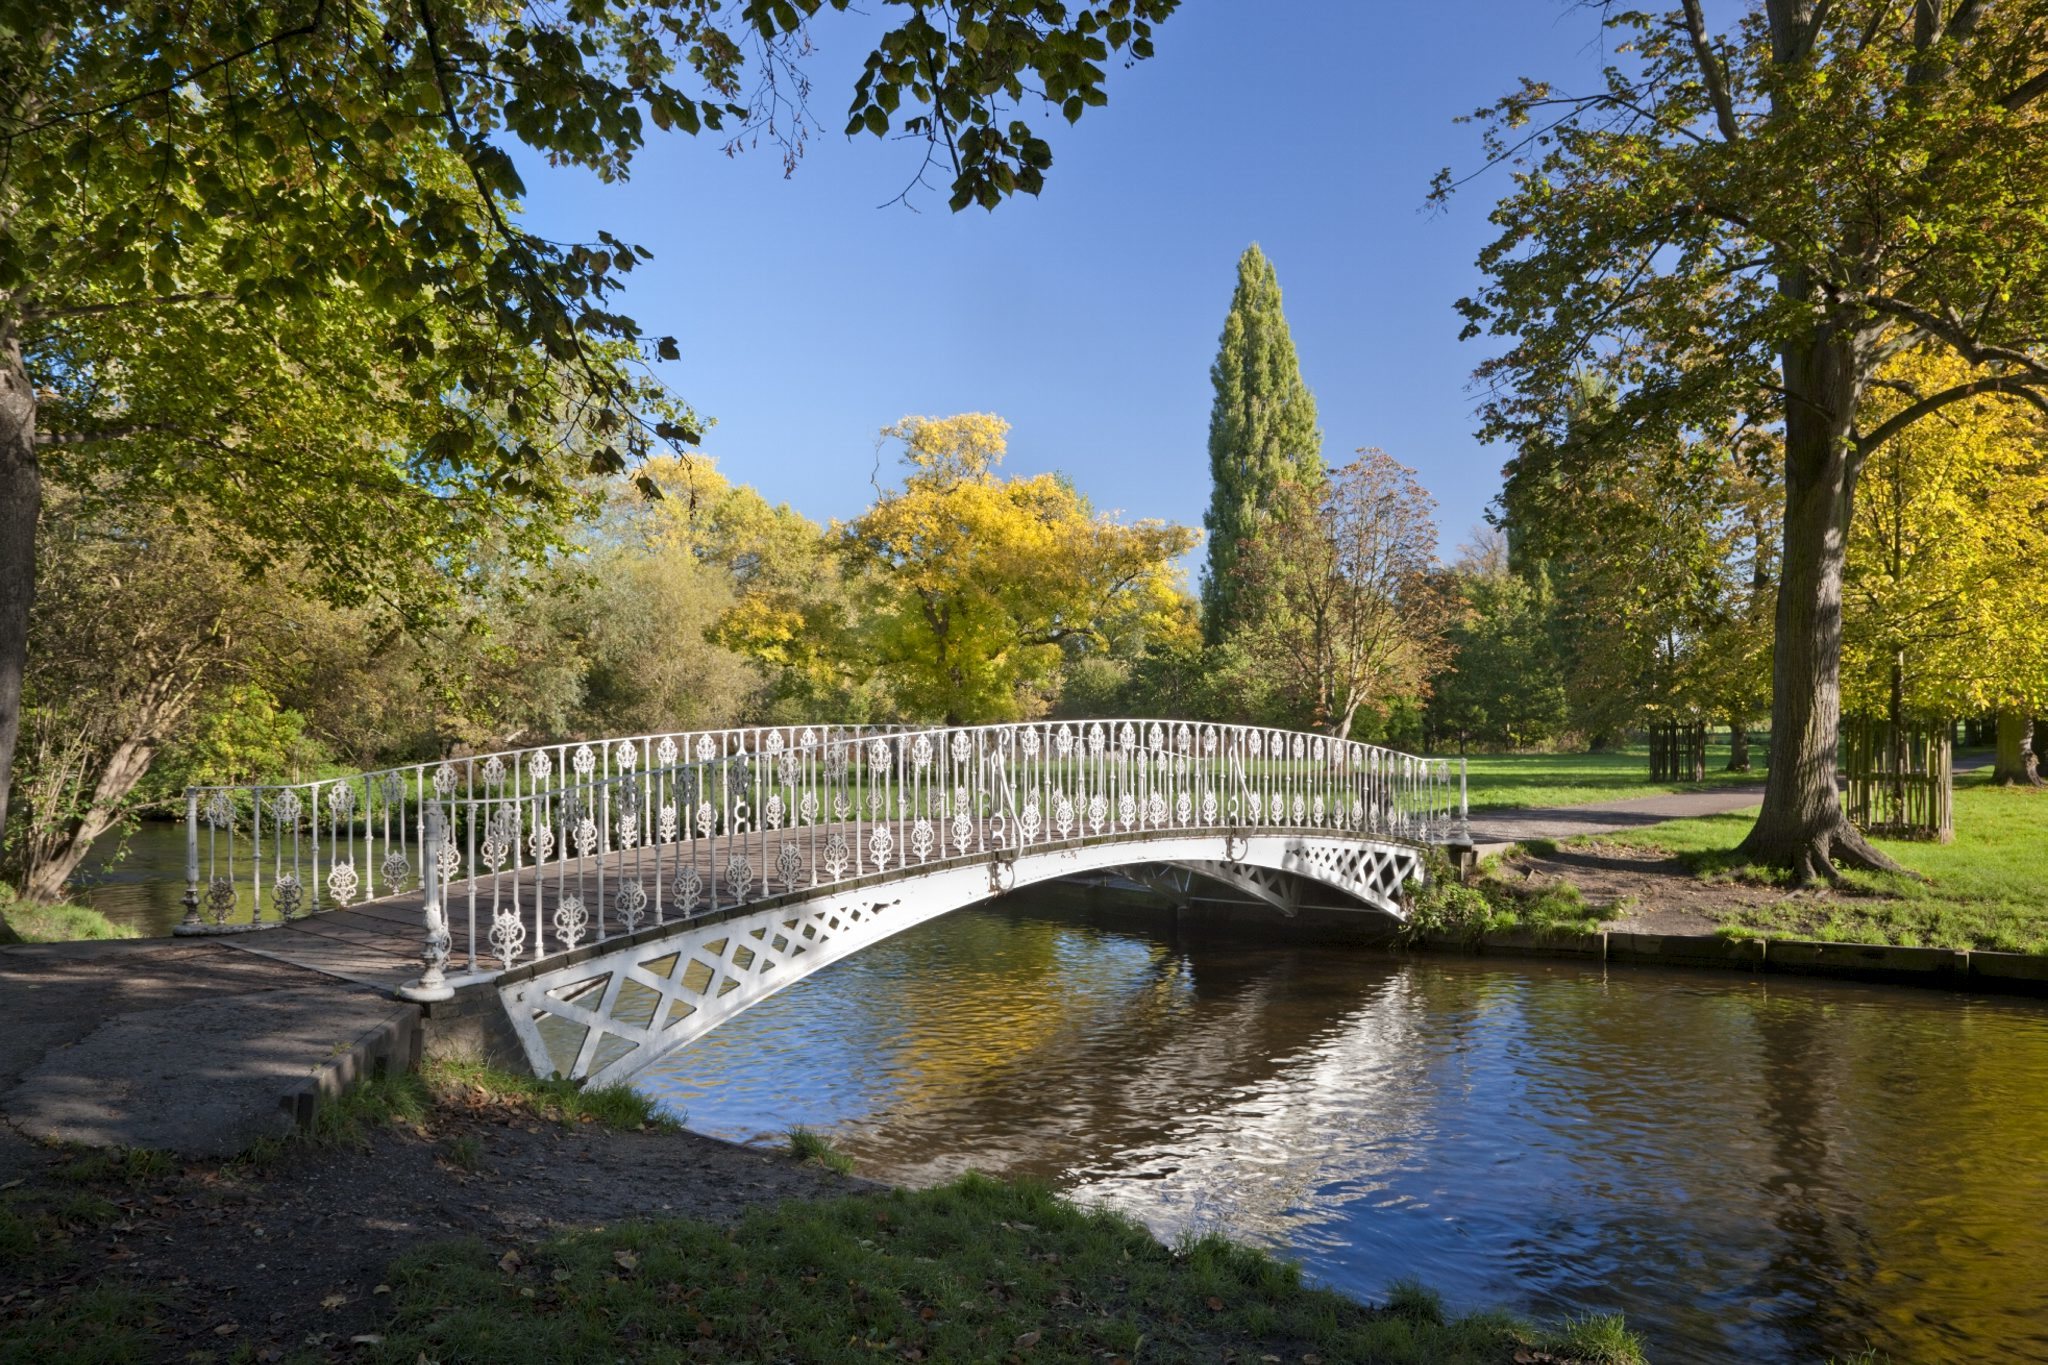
{"x":973,"y":582}
{"x":1947,"y":569}
{"x":788,"y":608}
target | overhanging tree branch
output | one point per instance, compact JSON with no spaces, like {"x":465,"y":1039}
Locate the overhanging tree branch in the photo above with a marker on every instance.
{"x":2018,"y":386}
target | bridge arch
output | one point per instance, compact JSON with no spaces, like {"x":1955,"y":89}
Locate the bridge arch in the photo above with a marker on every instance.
{"x":604,"y":1015}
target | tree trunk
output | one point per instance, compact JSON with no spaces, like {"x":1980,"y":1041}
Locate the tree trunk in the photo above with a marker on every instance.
{"x":2017,"y":764}
{"x":44,"y":879}
{"x":1801,"y":827}
{"x":1738,"y":747}
{"x":21,"y":501}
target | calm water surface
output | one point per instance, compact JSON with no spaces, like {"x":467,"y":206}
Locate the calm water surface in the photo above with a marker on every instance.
{"x":1750,"y":1171}
{"x":137,"y":878}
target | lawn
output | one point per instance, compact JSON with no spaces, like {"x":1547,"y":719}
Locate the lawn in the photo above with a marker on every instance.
{"x":1987,"y":890}
{"x":1499,"y":781}
{"x":974,"y":1270}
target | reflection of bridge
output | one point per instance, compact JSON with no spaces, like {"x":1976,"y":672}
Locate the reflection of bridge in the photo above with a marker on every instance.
{"x":624,"y":897}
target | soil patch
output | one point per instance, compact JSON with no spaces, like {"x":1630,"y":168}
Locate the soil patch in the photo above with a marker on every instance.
{"x":284,"y":1259}
{"x":1651,"y":892}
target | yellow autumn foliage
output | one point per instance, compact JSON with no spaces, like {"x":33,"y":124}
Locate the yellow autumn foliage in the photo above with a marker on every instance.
{"x":1947,"y":571}
{"x":973,"y":583}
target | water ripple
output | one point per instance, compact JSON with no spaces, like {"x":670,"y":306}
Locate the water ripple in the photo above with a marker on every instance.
{"x":1750,"y":1170}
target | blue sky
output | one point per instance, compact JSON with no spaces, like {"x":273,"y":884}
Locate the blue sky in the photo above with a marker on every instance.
{"x":809,"y":316}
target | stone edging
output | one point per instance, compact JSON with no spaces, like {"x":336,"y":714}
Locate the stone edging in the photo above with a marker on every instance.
{"x":391,"y":1047}
{"x":1948,"y":968}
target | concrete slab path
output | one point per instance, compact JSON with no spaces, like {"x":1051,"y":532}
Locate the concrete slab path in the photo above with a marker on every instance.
{"x":187,"y":1046}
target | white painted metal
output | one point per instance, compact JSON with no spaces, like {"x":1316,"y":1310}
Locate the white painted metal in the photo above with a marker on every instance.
{"x":550,"y":847}
{"x":608,"y":1015}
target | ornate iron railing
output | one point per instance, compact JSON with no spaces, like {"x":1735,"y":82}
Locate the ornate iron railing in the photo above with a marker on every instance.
{"x":537,"y":850}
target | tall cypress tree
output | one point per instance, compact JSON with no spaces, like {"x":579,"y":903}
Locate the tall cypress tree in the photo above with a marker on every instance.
{"x":1262,"y":432}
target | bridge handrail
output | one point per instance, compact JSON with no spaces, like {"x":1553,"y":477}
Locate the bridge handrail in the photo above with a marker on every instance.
{"x":841,"y":801}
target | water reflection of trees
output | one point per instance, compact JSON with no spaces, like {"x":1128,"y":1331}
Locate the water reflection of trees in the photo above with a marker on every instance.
{"x":1751,"y":1169}
{"x":1070,"y":1045}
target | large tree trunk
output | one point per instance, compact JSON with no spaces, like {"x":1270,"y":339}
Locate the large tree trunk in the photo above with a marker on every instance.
{"x":1801,"y":827}
{"x":2016,"y":764}
{"x":21,"y":501}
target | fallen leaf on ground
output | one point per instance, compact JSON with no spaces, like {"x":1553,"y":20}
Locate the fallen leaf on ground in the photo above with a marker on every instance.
{"x":333,"y":1301}
{"x":1027,"y":1341}
{"x":625,"y":1260}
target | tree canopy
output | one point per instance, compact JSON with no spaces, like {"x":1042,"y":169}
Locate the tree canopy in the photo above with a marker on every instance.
{"x":1745,"y":226}
{"x":1947,"y":571}
{"x":267,"y":260}
{"x":974,"y":582}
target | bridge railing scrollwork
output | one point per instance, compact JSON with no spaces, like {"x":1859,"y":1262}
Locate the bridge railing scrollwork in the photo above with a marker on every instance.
{"x":533,"y":851}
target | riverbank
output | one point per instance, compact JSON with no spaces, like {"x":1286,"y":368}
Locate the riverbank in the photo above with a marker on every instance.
{"x":26,"y":922}
{"x":1985,"y":892}
{"x":465,"y":1216}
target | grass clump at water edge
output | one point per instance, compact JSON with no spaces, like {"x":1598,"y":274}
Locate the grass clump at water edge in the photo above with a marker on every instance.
{"x":34,"y":922}
{"x":411,"y":1098}
{"x":814,"y":1149}
{"x":476,"y":1085}
{"x":1441,"y":904}
{"x":974,"y":1270}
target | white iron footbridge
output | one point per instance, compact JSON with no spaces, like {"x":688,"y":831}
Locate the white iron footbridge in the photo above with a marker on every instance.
{"x":623,"y":897}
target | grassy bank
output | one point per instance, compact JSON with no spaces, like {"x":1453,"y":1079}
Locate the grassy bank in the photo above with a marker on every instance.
{"x":974,"y":1270}
{"x":1504,"y":781}
{"x":1986,"y":890}
{"x":28,"y":922}
{"x":1492,"y":902}
{"x":333,"y":1248}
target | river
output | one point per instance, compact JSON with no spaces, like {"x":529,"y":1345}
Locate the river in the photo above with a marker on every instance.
{"x":1749,"y":1169}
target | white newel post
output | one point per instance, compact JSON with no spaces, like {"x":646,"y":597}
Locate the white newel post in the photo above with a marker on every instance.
{"x":432,"y":985}
{"x":191,"y":924}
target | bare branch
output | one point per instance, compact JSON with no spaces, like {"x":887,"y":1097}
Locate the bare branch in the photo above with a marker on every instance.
{"x":1711,"y":70}
{"x":2026,"y":92}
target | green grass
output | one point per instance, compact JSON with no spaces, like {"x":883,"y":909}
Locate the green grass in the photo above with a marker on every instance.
{"x":1986,"y":890}
{"x":371,"y":1103}
{"x":1502,"y":781}
{"x":814,"y":1150}
{"x":1443,"y":905}
{"x":116,"y":1166}
{"x":102,"y":1325}
{"x":612,"y":1106}
{"x":411,"y":1097}
{"x":972,"y":1271}
{"x":33,"y":923}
